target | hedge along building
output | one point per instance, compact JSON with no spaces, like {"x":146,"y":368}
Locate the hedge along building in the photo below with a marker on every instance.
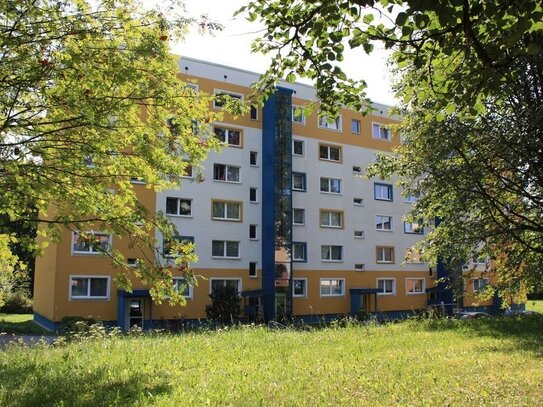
{"x":282,"y":214}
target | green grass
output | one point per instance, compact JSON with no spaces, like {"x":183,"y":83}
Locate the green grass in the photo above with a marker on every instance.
{"x":20,"y":324}
{"x":493,"y":361}
{"x":535,"y":305}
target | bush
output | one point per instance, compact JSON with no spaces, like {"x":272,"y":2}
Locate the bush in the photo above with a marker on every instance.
{"x":76,"y":324}
{"x":225,"y":304}
{"x":17,"y":302}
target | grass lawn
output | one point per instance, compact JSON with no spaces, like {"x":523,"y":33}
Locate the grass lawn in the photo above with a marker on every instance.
{"x":20,"y":324}
{"x":535,"y":305}
{"x":493,"y":361}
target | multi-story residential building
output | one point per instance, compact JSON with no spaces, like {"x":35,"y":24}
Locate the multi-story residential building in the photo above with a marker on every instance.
{"x":283,"y":214}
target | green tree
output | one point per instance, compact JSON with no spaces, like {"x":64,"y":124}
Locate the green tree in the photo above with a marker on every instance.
{"x":225,"y":304}
{"x":89,"y":98}
{"x":469,"y":77}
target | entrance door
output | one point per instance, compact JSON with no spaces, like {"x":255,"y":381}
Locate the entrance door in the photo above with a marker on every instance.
{"x":135,"y":312}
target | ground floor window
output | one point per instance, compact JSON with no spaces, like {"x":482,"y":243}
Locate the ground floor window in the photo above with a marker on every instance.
{"x":181,"y":286}
{"x":89,"y":287}
{"x":299,"y":287}
{"x":332,"y":287}
{"x":414,"y":285}
{"x":386,"y":286}
{"x":479,"y":284}
{"x":225,"y":282}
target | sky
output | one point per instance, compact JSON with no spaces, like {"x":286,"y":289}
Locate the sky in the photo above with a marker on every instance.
{"x":232,"y":47}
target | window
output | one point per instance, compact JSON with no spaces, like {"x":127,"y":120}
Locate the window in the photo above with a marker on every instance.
{"x":359,"y":234}
{"x":385,"y":254}
{"x":252,"y":232}
{"x":221,"y":96}
{"x":359,"y":266}
{"x":480,"y":259}
{"x":355,"y":126}
{"x":298,"y":216}
{"x":299,"y":287}
{"x":358,"y":201}
{"x":331,"y":185}
{"x":136,"y":180}
{"x":382,"y":192}
{"x":331,"y":253}
{"x":181,"y":286}
{"x":383,"y":222}
{"x":357,"y":169}
{"x":334,"y":124}
{"x":331,"y":219}
{"x":298,"y":115}
{"x":252,"y":195}
{"x":298,"y":147}
{"x":90,"y":242}
{"x":415,"y":285}
{"x":187,"y":171}
{"x":254,"y":113}
{"x":226,"y":173}
{"x":299,"y":251}
{"x":132,"y":262}
{"x":411,"y":198}
{"x":226,"y":210}
{"x":330,"y":153}
{"x":89,"y":287}
{"x":224,"y":282}
{"x":232,"y":137}
{"x":332,"y":287}
{"x":379,"y":131}
{"x":413,"y":256}
{"x":412,"y":227}
{"x":225,"y":248}
{"x":168,"y":245}
{"x":386,"y":286}
{"x":299,"y":181}
{"x":253,"y":158}
{"x":179,"y":206}
{"x":479,"y":284}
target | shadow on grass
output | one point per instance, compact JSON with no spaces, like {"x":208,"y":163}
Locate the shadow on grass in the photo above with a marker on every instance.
{"x":26,"y":327}
{"x":30,"y":384}
{"x":525,"y":333}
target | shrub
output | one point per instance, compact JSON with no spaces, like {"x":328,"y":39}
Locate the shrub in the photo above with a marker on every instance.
{"x":17,"y":302}
{"x":76,"y":324}
{"x":225,"y":304}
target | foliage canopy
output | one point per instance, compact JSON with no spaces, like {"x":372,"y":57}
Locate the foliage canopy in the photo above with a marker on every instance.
{"x":469,"y":75}
{"x":90,"y":98}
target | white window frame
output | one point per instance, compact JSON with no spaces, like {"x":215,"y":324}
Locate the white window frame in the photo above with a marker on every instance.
{"x":217,"y":92}
{"x":342,"y":286}
{"x":238,"y":279}
{"x":303,"y":216}
{"x":408,"y":228}
{"x":380,"y":250}
{"x":361,"y":203}
{"x":358,"y":234}
{"x":328,"y":157}
{"x":224,"y":251}
{"x":179,"y":280}
{"x":302,"y":259}
{"x":296,"y":108}
{"x":227,"y":131}
{"x":91,"y":251}
{"x":226,"y":168}
{"x":382,"y":223}
{"x":359,"y":126}
{"x":304,"y":176}
{"x":88,"y":297}
{"x":423,"y":286}
{"x":225,"y":209}
{"x":329,"y":191}
{"x":336,"y":125}
{"x":393,"y":292}
{"x":302,"y":143}
{"x":329,"y":213}
{"x":304,"y":295}
{"x":410,"y":198}
{"x":376,"y":131}
{"x":178,"y":214}
{"x":476,"y":284}
{"x":330,"y":260}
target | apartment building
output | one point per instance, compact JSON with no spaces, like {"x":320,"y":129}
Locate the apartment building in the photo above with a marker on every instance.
{"x":283,"y":214}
